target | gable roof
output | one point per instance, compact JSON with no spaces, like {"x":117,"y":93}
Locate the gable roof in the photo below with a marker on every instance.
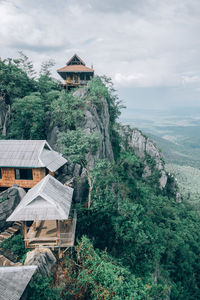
{"x":75,"y":68}
{"x":70,"y":62}
{"x":13,"y":281}
{"x":30,"y":154}
{"x":47,"y":200}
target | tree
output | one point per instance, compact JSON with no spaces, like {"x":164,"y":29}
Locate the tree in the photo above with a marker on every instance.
{"x":14,"y":82}
{"x":25,"y":64}
{"x":28,"y":118}
{"x":76,"y":145}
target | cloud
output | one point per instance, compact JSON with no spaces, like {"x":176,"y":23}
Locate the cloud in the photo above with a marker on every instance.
{"x":146,"y":43}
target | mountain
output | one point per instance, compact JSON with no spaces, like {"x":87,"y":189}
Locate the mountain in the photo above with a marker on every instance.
{"x":134,"y":238}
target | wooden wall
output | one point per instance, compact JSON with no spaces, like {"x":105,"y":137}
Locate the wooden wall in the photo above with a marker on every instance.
{"x":8,"y":178}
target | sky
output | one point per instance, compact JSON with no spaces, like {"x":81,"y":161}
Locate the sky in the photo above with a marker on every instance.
{"x":150,"y":48}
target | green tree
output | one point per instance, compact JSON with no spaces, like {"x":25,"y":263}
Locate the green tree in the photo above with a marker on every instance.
{"x":77,"y":145}
{"x":28,"y":118}
{"x":14,"y":82}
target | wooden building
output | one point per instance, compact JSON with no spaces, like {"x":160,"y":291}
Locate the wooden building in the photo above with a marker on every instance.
{"x":75,"y":73}
{"x":14,"y":280}
{"x":26,"y":162}
{"x":48,"y":205}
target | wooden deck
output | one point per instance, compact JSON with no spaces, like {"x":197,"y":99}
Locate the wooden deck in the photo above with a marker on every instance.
{"x":50,"y":233}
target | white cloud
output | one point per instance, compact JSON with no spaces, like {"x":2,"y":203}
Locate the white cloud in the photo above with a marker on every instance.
{"x":137,"y":43}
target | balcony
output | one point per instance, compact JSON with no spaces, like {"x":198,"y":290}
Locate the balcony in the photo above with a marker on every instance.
{"x":52,"y":233}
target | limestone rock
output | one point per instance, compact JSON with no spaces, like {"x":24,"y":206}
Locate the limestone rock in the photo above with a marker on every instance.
{"x":43,"y":258}
{"x":96,"y":122}
{"x":143,"y":147}
{"x":11,"y":198}
{"x":178,"y":197}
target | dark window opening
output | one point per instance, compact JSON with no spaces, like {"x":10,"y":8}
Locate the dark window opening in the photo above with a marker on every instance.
{"x":82,"y":76}
{"x":87,"y":77}
{"x":26,"y":174}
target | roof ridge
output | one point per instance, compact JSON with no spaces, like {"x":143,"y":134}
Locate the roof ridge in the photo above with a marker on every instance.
{"x":16,"y":268}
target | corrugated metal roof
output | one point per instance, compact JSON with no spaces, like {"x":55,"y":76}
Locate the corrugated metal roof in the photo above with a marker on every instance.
{"x":13,"y":281}
{"x":29,"y":153}
{"x":47,"y":200}
{"x":75,"y":68}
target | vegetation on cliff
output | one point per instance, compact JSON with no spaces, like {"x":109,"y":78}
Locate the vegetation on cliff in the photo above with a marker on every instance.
{"x":134,"y":240}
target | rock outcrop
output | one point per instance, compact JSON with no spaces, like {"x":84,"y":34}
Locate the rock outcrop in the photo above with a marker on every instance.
{"x":9,"y":199}
{"x":96,"y":122}
{"x":146,"y":150}
{"x":4,"y":116}
{"x":43,"y":258}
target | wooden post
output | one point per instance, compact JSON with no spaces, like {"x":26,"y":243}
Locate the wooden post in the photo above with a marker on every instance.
{"x":58,"y":231}
{"x":25,"y":234}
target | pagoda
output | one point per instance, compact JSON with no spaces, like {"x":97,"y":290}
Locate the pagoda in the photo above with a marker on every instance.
{"x":75,"y":73}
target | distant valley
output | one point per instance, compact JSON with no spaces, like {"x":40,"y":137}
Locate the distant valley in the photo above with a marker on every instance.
{"x":177,"y":135}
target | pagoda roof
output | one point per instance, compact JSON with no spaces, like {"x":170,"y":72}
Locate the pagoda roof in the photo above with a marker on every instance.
{"x":74,"y":65}
{"x":74,"y":69}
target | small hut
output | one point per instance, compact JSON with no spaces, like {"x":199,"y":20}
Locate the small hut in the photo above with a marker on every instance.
{"x":48,"y":206}
{"x":75,"y":73}
{"x":26,"y":162}
{"x":14,"y":280}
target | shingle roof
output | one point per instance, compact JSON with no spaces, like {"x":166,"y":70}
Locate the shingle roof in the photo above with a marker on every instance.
{"x":29,"y":153}
{"x":47,"y":200}
{"x":13,"y":281}
{"x":75,"y":68}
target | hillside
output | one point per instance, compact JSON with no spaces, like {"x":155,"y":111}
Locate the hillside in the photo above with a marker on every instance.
{"x":188,"y":179}
{"x":133,"y":239}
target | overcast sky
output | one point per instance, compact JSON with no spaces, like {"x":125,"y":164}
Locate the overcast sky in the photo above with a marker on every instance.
{"x":150,"y":48}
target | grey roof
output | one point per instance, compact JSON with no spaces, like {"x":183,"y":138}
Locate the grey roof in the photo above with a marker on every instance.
{"x":47,"y":200}
{"x":29,"y":153}
{"x":13,"y":281}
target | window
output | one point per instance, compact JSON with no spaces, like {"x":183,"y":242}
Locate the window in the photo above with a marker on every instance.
{"x":26,"y":174}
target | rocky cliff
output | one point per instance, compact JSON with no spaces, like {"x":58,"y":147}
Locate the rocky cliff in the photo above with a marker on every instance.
{"x":98,"y":122}
{"x":146,"y":150}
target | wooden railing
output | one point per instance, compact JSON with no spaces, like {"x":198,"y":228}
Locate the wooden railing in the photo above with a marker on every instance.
{"x":68,"y":81}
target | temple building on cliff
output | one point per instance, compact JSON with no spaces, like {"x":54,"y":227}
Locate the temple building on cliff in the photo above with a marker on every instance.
{"x":75,"y":73}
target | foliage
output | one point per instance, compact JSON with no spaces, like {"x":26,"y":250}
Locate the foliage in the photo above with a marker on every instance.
{"x":147,"y":232}
{"x":14,"y":82}
{"x":41,"y":288}
{"x":15,"y":244}
{"x":76,"y":145}
{"x":2,"y":200}
{"x":27,"y":120}
{"x":67,"y":111}
{"x":93,"y":274}
{"x":25,"y":64}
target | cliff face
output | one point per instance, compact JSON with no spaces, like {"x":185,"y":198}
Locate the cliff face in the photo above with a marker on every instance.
{"x":98,"y":122}
{"x":94,"y":122}
{"x":145,"y":149}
